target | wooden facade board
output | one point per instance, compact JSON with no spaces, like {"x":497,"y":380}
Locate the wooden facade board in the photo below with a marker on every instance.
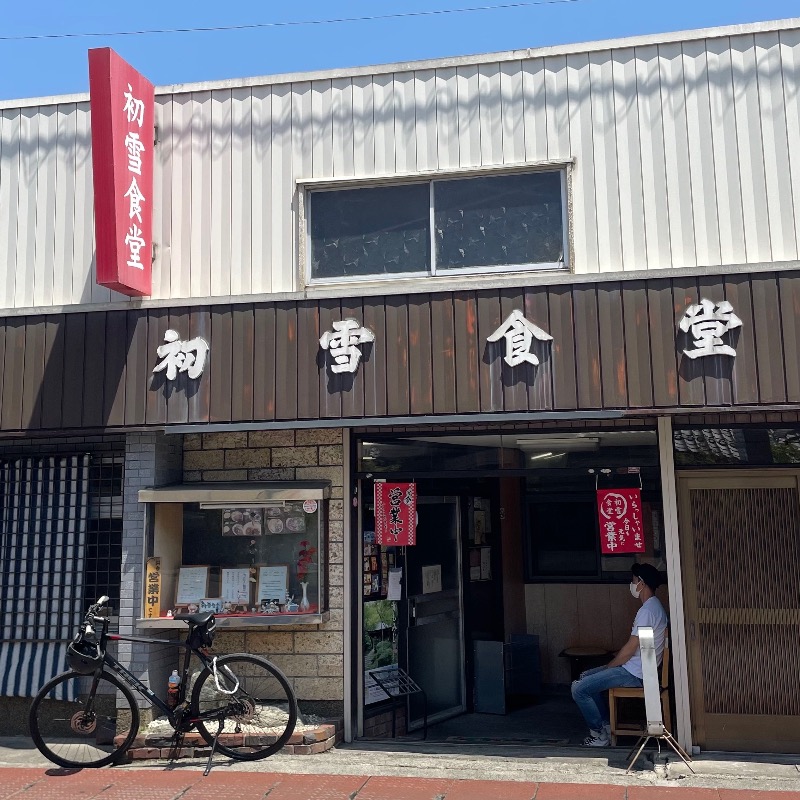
{"x":116,"y":367}
{"x":615,"y":347}
{"x":198,"y":396}
{"x":33,"y":373}
{"x":244,"y":361}
{"x":587,"y":347}
{"x":222,"y":388}
{"x":72,"y":398}
{"x":178,"y":390}
{"x":789,"y":286}
{"x":562,"y":329}
{"x":745,"y":371}
{"x":330,"y":400}
{"x":264,"y":374}
{"x":53,"y":379}
{"x":691,"y":388}
{"x":538,"y":382}
{"x":637,"y":345}
{"x":308,"y":333}
{"x":613,"y":358}
{"x":353,"y":398}
{"x":374,"y":366}
{"x":286,"y":361}
{"x":716,"y":372}
{"x":467,"y":353}
{"x":95,"y":366}
{"x":443,"y":353}
{"x":420,"y":363}
{"x":662,"y":348}
{"x":397,"y":388}
{"x":768,"y":341}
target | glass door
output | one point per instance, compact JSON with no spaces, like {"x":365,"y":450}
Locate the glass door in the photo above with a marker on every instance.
{"x":433,"y":613}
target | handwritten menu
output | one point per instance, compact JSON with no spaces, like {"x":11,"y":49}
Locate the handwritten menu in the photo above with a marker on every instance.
{"x":192,"y":585}
{"x":273,"y":583}
{"x":236,"y":585}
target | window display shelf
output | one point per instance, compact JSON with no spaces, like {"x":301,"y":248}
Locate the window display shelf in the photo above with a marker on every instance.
{"x":236,"y":621}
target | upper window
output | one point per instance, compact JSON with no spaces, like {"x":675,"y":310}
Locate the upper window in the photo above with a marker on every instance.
{"x":478,"y":224}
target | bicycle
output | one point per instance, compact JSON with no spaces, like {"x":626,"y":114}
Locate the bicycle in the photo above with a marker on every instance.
{"x":241,"y":704}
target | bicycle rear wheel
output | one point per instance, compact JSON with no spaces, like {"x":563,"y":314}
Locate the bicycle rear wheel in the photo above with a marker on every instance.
{"x":256,"y":706}
{"x":74,"y":718}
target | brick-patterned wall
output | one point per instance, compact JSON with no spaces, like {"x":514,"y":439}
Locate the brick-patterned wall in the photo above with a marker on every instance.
{"x":151,"y":459}
{"x":312,"y":656}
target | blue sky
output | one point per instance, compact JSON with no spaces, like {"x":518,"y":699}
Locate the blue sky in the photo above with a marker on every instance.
{"x":39,"y":67}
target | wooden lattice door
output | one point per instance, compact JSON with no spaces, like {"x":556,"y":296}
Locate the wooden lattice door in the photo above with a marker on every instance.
{"x":740,"y":552}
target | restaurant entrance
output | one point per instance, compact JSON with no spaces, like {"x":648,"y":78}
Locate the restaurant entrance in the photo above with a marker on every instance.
{"x":508,"y":522}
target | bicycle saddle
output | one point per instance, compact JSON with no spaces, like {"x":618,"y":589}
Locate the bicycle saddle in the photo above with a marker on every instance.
{"x":196,"y":619}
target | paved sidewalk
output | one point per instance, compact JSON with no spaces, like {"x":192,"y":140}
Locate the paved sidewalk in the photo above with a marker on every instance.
{"x":120,"y":783}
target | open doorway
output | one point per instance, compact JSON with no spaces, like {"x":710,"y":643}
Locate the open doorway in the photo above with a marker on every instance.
{"x":524,"y":583}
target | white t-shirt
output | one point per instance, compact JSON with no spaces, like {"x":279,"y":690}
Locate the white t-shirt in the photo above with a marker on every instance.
{"x":650,"y":615}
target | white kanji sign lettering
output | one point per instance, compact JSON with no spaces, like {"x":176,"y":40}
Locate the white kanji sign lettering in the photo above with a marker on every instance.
{"x":708,"y":323}
{"x":343,"y":344}
{"x":178,"y":356}
{"x":135,"y":198}
{"x":134,"y":108}
{"x":519,"y":334}
{"x":135,"y":243}
{"x":134,"y":146}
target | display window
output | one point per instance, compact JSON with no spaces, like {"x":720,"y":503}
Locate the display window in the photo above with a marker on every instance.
{"x":253,"y":555}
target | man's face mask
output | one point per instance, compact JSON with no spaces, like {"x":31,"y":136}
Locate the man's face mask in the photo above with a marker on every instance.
{"x":636,"y":590}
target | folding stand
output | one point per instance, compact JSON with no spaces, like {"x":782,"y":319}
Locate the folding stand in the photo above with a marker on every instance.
{"x":652,"y":702}
{"x":397,"y":683}
{"x":667,"y":737}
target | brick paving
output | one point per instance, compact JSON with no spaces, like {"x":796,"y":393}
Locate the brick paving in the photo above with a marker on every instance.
{"x":30,"y":783}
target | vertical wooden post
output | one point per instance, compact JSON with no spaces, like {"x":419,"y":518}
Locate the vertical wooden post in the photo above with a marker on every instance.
{"x":680,"y":669}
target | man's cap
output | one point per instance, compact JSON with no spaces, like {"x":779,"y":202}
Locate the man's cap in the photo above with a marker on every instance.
{"x":649,"y":574}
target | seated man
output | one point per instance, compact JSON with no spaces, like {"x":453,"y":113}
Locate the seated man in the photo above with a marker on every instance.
{"x":625,"y":669}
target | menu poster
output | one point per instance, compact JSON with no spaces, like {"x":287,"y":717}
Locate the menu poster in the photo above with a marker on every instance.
{"x":242,"y":521}
{"x":192,"y":585}
{"x":273,"y":583}
{"x":236,"y":586}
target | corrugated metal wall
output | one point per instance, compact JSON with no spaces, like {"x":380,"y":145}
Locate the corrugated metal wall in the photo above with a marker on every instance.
{"x":686,"y":154}
{"x":615,"y":347}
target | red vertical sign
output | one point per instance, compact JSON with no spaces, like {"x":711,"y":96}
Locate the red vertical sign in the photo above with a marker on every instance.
{"x":123,"y":127}
{"x":620,"y":512}
{"x":395,"y":514}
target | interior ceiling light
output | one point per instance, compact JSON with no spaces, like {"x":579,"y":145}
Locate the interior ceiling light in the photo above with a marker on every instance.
{"x":565,"y":444}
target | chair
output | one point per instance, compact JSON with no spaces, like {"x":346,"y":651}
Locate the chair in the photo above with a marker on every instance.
{"x":616,"y":693}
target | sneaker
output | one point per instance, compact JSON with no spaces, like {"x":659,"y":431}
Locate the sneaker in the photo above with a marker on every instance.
{"x":597,"y":739}
{"x":607,"y":730}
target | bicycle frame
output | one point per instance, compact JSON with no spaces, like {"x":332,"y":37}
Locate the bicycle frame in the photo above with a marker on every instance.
{"x":128,"y":677}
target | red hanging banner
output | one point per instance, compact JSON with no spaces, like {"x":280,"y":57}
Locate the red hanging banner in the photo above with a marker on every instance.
{"x":122,"y":106}
{"x":620,"y":512}
{"x":395,"y":514}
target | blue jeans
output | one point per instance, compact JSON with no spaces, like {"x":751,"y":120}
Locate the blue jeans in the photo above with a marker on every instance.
{"x":590,"y":692}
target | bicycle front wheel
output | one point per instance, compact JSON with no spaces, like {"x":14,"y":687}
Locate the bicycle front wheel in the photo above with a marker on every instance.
{"x":249,"y":703}
{"x":75,"y":718}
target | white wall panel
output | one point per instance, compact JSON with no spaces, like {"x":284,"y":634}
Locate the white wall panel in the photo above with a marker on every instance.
{"x":512,"y":112}
{"x":447,"y":141}
{"x":242,"y":209}
{"x":343,"y":133}
{"x":790,"y":69}
{"x":629,"y":161}
{"x":582,"y":146}
{"x":750,"y":149}
{"x":604,"y":137}
{"x":676,"y":155}
{"x":261,"y":194}
{"x":776,"y":148}
{"x":425,"y":119}
{"x":200,"y":194}
{"x":654,"y":169}
{"x":684,"y":154}
{"x":726,"y":156}
{"x":9,"y":208}
{"x":221,"y":217}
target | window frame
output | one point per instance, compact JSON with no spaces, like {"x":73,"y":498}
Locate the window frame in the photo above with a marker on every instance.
{"x":308,"y":187}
